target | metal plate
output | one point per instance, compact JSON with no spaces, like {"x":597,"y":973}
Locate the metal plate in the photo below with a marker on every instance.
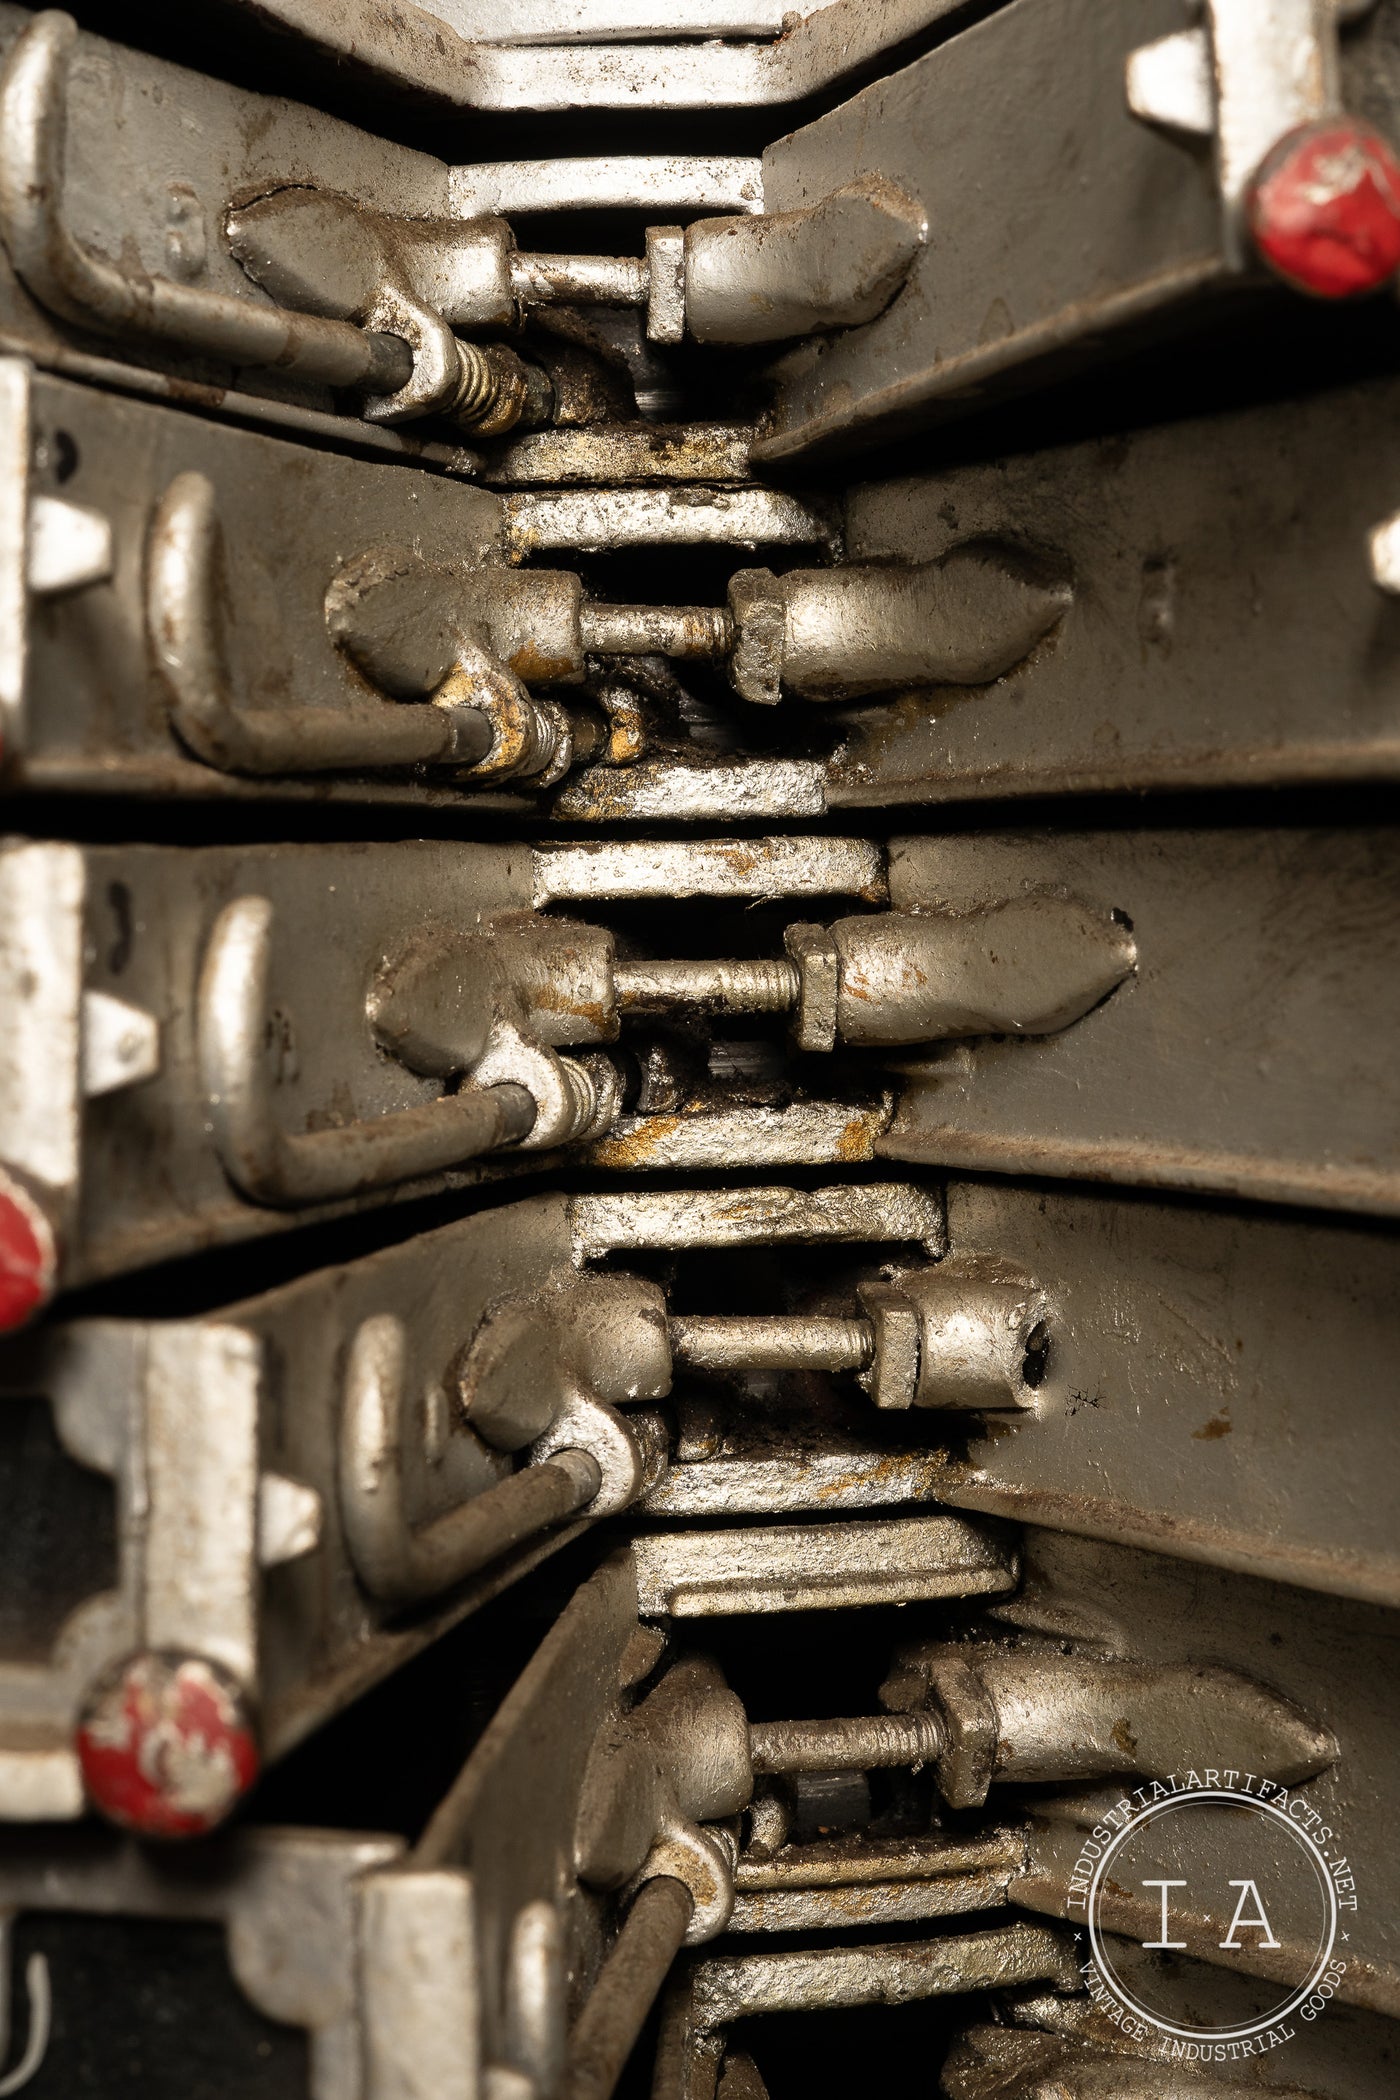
{"x":1250,"y":1054}
{"x":1196,"y":651}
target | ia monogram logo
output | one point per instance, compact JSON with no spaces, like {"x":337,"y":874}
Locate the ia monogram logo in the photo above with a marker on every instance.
{"x":1216,"y":1914}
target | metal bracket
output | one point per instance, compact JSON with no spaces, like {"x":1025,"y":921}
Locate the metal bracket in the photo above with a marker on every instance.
{"x":394,"y":1558}
{"x":182,"y":626}
{"x":87,"y":289}
{"x":283,"y":1171}
{"x":1250,"y":73}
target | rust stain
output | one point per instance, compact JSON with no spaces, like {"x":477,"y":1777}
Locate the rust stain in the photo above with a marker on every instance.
{"x":594,"y":1013}
{"x":1124,"y":1738}
{"x":1218,"y":1425}
{"x":637,"y":1148}
{"x":856,"y":1141}
{"x":535,"y":668}
{"x":892,"y":1470}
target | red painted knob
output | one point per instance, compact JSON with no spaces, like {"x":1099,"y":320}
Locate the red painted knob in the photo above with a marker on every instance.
{"x":166,"y":1745}
{"x":28,"y":1256}
{"x":1324,"y":209}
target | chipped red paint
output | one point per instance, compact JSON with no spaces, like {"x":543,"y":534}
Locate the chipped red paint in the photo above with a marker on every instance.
{"x":1324,"y":209}
{"x":166,"y":1745}
{"x":28,"y":1257}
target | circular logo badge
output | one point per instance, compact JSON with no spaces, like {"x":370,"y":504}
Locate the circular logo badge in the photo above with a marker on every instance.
{"x":1241,"y":1880}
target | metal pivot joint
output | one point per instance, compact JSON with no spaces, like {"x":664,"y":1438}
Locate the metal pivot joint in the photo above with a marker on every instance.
{"x":404,"y":1559}
{"x":402,"y":357}
{"x":1024,"y":965}
{"x":275,"y":1167}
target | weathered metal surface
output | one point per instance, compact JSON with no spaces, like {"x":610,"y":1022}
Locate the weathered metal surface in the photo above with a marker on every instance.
{"x":154,"y":153}
{"x":731,"y":1987}
{"x":996,"y":2063}
{"x":1024,"y":274}
{"x":720,"y":1989}
{"x":625,"y":59}
{"x":270,"y":977}
{"x":93,"y":713}
{"x":502,"y":1839}
{"x":711,"y":453}
{"x":735,"y":790}
{"x":690,"y":1574}
{"x":663,"y":183}
{"x":816,"y":1133}
{"x":606,"y":1222}
{"x":1324,"y":1652}
{"x":1065,"y":1474}
{"x":604,"y":870}
{"x":287,"y":1900}
{"x":1346,"y":2055}
{"x":595,"y":521}
{"x":1249,"y":1052}
{"x":1191,"y":656}
{"x":192,"y":1421}
{"x":1191,"y":1402}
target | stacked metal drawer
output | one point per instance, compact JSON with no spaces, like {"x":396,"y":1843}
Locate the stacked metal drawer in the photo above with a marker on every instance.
{"x":698,"y":922}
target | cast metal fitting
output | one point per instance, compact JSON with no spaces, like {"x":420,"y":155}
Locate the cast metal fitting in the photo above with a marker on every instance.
{"x":754,"y":278}
{"x":933,"y":1338}
{"x":1037,"y":1715}
{"x":1027,"y":965}
{"x":386,"y":344}
{"x":583,"y":1461}
{"x":866,"y":628}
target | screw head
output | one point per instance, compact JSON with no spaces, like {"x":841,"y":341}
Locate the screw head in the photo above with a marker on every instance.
{"x":28,"y":1256}
{"x":166,"y":1745}
{"x":1324,"y":209}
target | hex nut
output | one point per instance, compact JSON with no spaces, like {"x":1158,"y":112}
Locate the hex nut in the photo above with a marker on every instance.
{"x":893,"y":1377}
{"x":759,"y":613}
{"x":818,"y":980}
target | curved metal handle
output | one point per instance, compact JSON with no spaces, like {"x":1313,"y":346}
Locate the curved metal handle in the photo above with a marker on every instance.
{"x":183,"y":629}
{"x":40,"y":1992}
{"x":321,"y":1166}
{"x":392,"y":1559}
{"x":85,"y":288}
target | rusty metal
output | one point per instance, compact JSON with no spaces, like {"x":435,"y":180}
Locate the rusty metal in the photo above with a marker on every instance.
{"x":762,"y":1389}
{"x":620,"y":2000}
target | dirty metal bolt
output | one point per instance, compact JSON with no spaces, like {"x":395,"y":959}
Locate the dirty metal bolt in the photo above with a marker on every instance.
{"x":816,"y":1343}
{"x":539,"y":279}
{"x":1324,"y":209}
{"x":770,"y":1825}
{"x":857,"y":1743}
{"x":530,"y":738}
{"x":495,"y":390}
{"x":166,"y":1745}
{"x":1027,"y":965}
{"x":28,"y":1256}
{"x":656,"y":630}
{"x":930,"y":1340}
{"x":615,"y":2010}
{"x":754,"y":987}
{"x":665,"y":284}
{"x":946,"y":1339}
{"x":818,"y":964}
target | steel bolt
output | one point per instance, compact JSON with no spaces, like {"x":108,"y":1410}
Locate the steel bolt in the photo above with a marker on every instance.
{"x":1324,"y":209}
{"x":851,"y":1743}
{"x":166,"y":1746}
{"x":759,"y":986}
